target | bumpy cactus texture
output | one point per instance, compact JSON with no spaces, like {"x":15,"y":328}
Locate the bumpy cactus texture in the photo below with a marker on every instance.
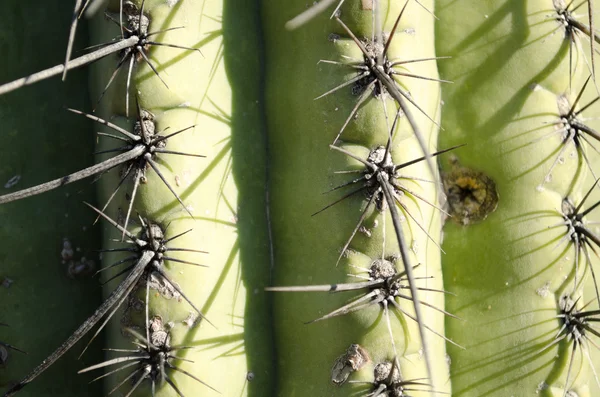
{"x":341,"y":198}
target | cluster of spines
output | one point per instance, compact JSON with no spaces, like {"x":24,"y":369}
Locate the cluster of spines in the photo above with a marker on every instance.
{"x":576,"y":321}
{"x":151,"y":359}
{"x":132,"y":47}
{"x":385,"y":189}
{"x":574,"y":130}
{"x":575,"y":326}
{"x":148,"y":251}
{"x":134,"y":157}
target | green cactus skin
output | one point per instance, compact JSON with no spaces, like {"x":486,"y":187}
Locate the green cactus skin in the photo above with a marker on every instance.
{"x":507,"y":271}
{"x":307,"y":247}
{"x":211,"y":91}
{"x":510,"y":64}
{"x":43,"y":304}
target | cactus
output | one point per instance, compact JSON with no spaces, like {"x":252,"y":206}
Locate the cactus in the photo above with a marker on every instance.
{"x":49,"y":235}
{"x":371,"y":198}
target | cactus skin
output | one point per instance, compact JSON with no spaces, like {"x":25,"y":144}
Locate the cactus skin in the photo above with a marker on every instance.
{"x":492,"y":107}
{"x":228,"y":123}
{"x":43,"y":305}
{"x":508,"y":73}
{"x":306,"y":248}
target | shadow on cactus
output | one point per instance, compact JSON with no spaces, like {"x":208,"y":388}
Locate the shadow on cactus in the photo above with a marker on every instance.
{"x":573,"y":130}
{"x":579,"y":233}
{"x":381,"y":174}
{"x":138,"y":153}
{"x":133,"y":47}
{"x":565,"y":16}
{"x":380,"y":181}
{"x":136,"y":25}
{"x":149,"y":256}
{"x":376,"y":75}
{"x":383,"y":287}
{"x":576,"y":328}
{"x":150,"y":361}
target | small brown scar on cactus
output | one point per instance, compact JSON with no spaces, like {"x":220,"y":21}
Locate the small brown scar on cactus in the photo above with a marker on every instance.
{"x":471,"y":195}
{"x":353,"y":359}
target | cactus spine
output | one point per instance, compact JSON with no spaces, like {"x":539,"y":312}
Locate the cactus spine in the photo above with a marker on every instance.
{"x":506,"y":107}
{"x":229,"y":291}
{"x":44,"y":239}
{"x":307,"y":248}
